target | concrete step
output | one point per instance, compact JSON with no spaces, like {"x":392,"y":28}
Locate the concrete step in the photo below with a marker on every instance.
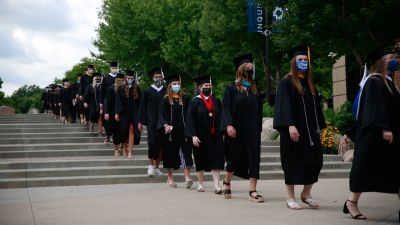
{"x":138,"y":178}
{"x":51,"y":135}
{"x":124,"y":170}
{"x":79,"y":150}
{"x":64,"y":162}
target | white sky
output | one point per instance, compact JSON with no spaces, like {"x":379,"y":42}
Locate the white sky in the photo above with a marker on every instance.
{"x":41,"y":39}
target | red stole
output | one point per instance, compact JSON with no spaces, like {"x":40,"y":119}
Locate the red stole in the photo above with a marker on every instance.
{"x":211,"y":111}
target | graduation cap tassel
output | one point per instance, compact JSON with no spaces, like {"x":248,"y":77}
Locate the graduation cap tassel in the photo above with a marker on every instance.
{"x":254,"y":71}
{"x":162,"y":73}
{"x":211,"y":86}
{"x":308,"y":55}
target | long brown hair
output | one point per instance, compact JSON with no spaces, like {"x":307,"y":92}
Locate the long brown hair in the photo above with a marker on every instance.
{"x":169,"y":94}
{"x":296,"y":80}
{"x":240,"y":74}
{"x":118,"y":82}
{"x":136,"y":89}
{"x":379,"y":67}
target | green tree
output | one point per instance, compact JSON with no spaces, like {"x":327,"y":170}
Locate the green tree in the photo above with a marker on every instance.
{"x":26,"y":97}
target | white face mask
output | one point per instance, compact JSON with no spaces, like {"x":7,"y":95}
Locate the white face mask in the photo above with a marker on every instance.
{"x":114,"y":71}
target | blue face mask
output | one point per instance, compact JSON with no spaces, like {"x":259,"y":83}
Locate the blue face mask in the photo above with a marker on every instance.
{"x":176,"y":88}
{"x":78,"y":81}
{"x":392,"y":66}
{"x":302,"y":66}
{"x":246,"y":83}
{"x":130,"y":82}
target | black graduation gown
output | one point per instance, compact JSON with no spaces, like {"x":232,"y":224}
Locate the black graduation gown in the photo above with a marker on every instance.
{"x":107,"y":82}
{"x":127,"y":108}
{"x":149,"y":107}
{"x":244,"y":112}
{"x":85,"y":81}
{"x":93,"y":97}
{"x":210,"y":153}
{"x":66,"y":96}
{"x":174,"y":115}
{"x":109,"y":108}
{"x":301,"y":162}
{"x":376,"y":163}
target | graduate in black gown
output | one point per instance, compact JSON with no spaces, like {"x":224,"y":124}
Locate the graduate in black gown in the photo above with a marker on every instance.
{"x":107,"y":82}
{"x":376,"y":160}
{"x":177,"y":151}
{"x":109,"y":112}
{"x":127,"y":102}
{"x":203,"y":127}
{"x":299,"y":120}
{"x":92,"y":102}
{"x":241,"y":123}
{"x":79,"y":102}
{"x":85,"y":81}
{"x":66,"y":99}
{"x":149,"y":106}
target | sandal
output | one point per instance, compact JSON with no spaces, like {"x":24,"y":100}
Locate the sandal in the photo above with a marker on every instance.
{"x":200,"y":188}
{"x":189,"y":182}
{"x":227,"y":192}
{"x":292,"y":204}
{"x":311,"y":202}
{"x":171,"y":184}
{"x":347,"y":211}
{"x":218,"y":191}
{"x":257,"y":198}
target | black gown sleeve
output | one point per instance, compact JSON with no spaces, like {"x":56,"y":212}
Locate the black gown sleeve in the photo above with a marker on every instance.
{"x":190,"y":129}
{"x":86,"y":95}
{"x":143,"y":108}
{"x":118,"y":101}
{"x":163,"y":113}
{"x":227,"y":109}
{"x":375,"y":105}
{"x":283,"y":105}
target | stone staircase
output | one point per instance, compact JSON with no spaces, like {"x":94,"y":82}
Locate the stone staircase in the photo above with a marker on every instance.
{"x":38,"y":151}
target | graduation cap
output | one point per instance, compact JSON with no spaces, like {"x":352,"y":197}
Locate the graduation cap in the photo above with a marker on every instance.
{"x":155,"y":70}
{"x":239,"y":60}
{"x":378,"y":53}
{"x":120,"y":75}
{"x":90,"y":66}
{"x":172,"y":78}
{"x":97,"y":74}
{"x":79,"y":74}
{"x":130,"y":73}
{"x":298,"y":50}
{"x":65,"y":80}
{"x":202,"y":79}
{"x":113,"y":64}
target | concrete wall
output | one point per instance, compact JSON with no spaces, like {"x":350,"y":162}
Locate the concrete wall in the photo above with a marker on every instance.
{"x":339,"y":82}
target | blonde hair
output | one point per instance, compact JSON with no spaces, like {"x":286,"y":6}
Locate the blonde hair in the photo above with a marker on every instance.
{"x":240,"y":74}
{"x":296,"y":80}
{"x":379,"y":67}
{"x":118,"y":82}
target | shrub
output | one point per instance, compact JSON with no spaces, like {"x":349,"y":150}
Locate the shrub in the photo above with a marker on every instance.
{"x":268,"y":110}
{"x":342,"y":118}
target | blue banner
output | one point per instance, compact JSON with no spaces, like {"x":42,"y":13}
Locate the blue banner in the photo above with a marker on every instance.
{"x":255,"y":17}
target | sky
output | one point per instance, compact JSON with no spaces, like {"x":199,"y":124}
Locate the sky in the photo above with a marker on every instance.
{"x":41,"y":39}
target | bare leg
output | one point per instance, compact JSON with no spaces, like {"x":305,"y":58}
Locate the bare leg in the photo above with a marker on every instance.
{"x":130,"y":141}
{"x":352,"y":203}
{"x":116,"y":151}
{"x":200,"y":180}
{"x":290,"y":192}
{"x":216,"y":177}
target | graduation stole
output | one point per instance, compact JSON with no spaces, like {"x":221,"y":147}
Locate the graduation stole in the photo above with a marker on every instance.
{"x":210,"y":109}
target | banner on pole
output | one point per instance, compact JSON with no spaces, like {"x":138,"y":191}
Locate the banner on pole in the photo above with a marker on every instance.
{"x":255,"y":17}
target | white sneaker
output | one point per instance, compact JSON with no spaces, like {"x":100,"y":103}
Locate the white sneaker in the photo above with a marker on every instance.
{"x":150,"y":171}
{"x":158,"y":172}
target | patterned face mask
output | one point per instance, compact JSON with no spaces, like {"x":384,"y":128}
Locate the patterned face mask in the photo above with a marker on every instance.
{"x":302,"y":66}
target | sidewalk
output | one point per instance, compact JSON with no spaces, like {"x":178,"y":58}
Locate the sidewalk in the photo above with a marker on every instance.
{"x":146,"y":204}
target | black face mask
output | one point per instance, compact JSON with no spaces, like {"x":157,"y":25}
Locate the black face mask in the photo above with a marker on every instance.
{"x":249,"y":73}
{"x":206,"y":91}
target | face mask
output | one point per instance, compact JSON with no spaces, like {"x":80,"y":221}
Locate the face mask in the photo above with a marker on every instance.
{"x":249,"y":73}
{"x":98,"y":81}
{"x":66,"y":84}
{"x":114,"y":71}
{"x":392,"y":66}
{"x":246,"y":83}
{"x":176,"y":88}
{"x":78,"y":81}
{"x":206,"y":91}
{"x":302,"y":66}
{"x":157,"y":82}
{"x":90,"y":71}
{"x":130,"y":82}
